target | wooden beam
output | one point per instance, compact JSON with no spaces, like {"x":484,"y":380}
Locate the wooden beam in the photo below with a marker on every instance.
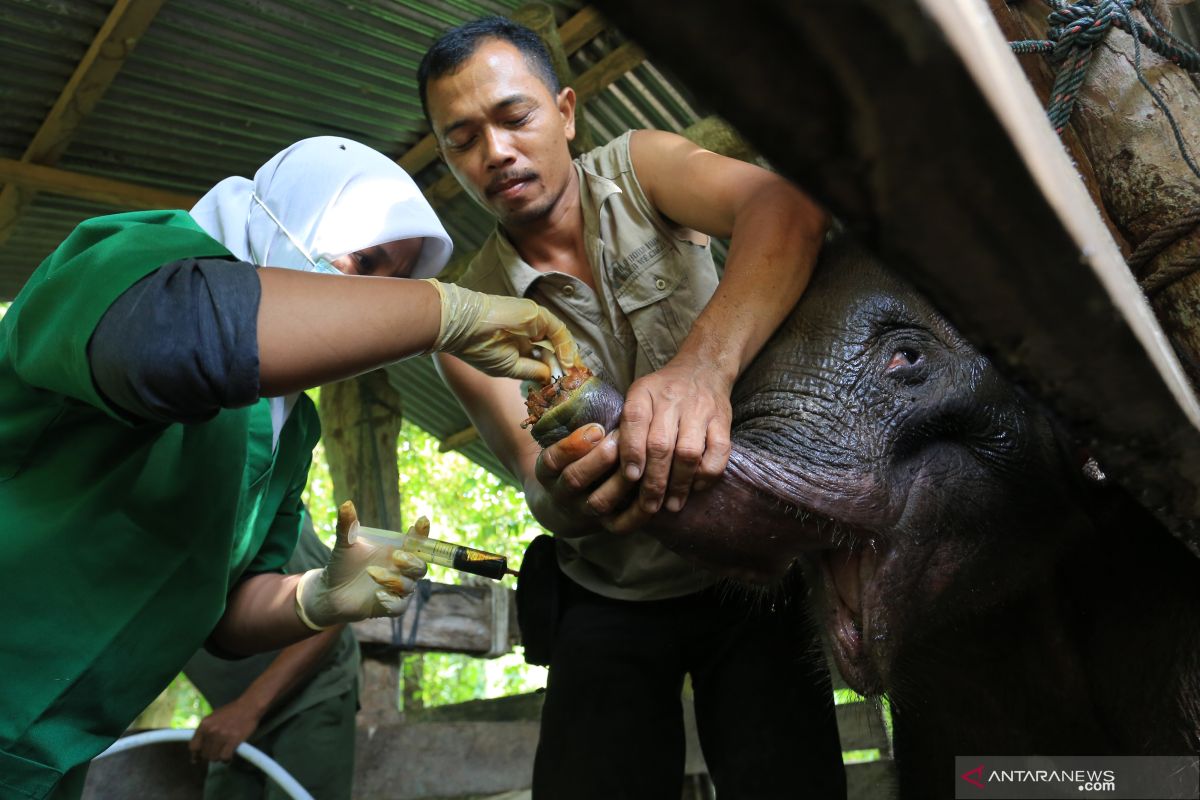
{"x":452,"y":619}
{"x":574,"y":34}
{"x":113,"y":43}
{"x":31,"y":178}
{"x":420,"y":155}
{"x":581,"y":29}
{"x":589,"y":84}
{"x":444,"y":759}
{"x":608,"y":69}
{"x":443,"y":190}
{"x":458,"y":440}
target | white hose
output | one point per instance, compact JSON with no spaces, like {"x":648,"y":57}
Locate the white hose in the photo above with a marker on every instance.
{"x":247,"y":751}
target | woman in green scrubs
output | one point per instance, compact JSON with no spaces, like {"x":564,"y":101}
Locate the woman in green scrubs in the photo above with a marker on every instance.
{"x":155,"y":440}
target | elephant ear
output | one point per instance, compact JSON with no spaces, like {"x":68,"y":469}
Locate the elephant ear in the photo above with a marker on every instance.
{"x":562,"y":407}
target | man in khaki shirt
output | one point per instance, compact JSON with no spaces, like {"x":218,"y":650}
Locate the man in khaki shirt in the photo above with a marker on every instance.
{"x":616,"y":244}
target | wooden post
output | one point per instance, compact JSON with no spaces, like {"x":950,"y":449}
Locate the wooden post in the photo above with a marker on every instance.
{"x":539,"y":17}
{"x":1127,"y":155}
{"x":379,"y":690}
{"x":360,"y":421}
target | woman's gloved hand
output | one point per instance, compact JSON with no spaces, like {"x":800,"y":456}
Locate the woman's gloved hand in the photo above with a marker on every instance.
{"x":497,"y":334}
{"x":360,"y":581}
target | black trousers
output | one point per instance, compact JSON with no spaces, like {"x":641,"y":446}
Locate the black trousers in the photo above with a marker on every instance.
{"x":612,"y":724}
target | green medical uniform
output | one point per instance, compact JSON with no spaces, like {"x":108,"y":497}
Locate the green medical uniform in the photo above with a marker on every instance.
{"x":120,"y":540}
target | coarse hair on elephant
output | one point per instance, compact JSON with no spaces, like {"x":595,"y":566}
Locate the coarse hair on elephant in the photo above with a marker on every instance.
{"x":962,"y":559}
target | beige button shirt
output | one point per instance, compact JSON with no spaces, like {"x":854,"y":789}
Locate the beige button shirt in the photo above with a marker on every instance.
{"x":653,"y":280}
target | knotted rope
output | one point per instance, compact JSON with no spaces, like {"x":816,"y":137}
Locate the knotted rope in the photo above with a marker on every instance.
{"x":1075,"y":31}
{"x":1167,"y":274}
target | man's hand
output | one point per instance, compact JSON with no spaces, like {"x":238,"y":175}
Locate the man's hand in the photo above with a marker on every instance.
{"x":580,"y":477}
{"x":219,"y":734}
{"x":674,"y":432}
{"x":359,"y":582}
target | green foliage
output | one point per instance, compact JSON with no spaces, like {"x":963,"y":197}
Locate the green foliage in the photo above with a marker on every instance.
{"x":860,"y":756}
{"x":190,"y":706}
{"x":843,"y":696}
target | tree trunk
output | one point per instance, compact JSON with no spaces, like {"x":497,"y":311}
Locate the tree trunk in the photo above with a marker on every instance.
{"x":1128,"y":157}
{"x":360,"y":423}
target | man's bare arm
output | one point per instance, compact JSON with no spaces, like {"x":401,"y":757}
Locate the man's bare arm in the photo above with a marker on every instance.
{"x":675,"y":427}
{"x":220,"y":733}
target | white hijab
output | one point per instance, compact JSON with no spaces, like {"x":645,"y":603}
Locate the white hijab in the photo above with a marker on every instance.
{"x":333,"y":196}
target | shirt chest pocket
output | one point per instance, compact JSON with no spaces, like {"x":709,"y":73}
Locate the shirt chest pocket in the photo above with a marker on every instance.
{"x":661,"y":301}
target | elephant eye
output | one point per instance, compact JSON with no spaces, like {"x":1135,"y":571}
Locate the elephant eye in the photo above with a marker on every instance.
{"x":904,"y":357}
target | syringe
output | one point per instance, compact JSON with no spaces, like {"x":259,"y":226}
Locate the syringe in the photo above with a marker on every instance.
{"x":446,"y":554}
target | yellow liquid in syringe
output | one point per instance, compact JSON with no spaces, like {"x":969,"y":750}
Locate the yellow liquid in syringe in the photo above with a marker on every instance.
{"x":434,"y":551}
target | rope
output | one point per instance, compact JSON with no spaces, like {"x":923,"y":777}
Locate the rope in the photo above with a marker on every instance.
{"x":1158,"y":241}
{"x":420,"y":598}
{"x":1172,"y":271}
{"x":1171,"y":274}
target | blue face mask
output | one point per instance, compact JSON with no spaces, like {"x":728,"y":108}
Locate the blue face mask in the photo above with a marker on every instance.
{"x":318,"y":264}
{"x":322,"y":265}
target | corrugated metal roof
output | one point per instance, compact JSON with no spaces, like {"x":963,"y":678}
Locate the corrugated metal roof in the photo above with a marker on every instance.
{"x":216,"y":87}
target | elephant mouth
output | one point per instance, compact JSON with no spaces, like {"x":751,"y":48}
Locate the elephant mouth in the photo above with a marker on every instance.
{"x":855,"y":610}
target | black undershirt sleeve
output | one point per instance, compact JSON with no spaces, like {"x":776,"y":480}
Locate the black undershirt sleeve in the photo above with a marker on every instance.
{"x":182,"y":343}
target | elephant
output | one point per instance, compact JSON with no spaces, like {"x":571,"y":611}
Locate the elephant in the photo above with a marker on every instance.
{"x":968,"y":559}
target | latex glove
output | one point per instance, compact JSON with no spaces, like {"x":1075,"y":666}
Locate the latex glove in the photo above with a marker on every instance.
{"x":359,"y":582}
{"x":498,"y":334}
{"x":219,"y":734}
